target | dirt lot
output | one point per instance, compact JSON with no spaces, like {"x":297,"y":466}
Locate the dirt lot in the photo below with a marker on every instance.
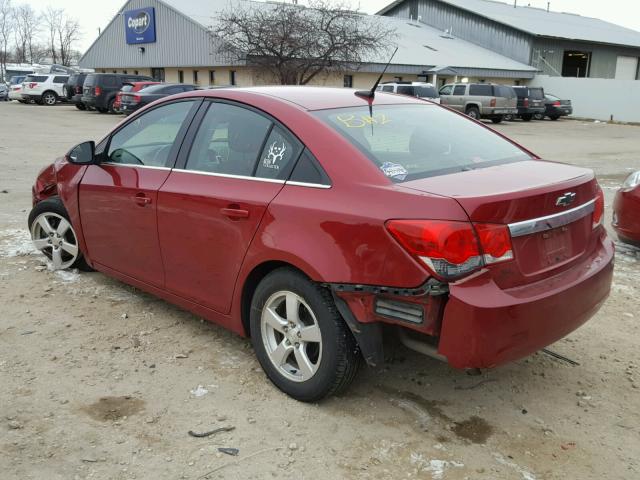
{"x":99,"y":380}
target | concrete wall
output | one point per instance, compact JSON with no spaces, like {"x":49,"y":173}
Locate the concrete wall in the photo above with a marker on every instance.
{"x":596,"y":98}
{"x":547,"y":55}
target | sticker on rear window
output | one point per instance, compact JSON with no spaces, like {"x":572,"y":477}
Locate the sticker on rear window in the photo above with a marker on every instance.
{"x":274,"y":156}
{"x":394,"y":170}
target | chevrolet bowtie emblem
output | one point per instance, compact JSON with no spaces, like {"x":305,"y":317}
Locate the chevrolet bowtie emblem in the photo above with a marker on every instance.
{"x":566,"y":199}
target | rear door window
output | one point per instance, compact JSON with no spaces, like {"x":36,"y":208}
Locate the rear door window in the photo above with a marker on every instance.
{"x":387,"y":88}
{"x":229,"y":140}
{"x":309,"y":170}
{"x":60,"y":79}
{"x":279,"y":154}
{"x":459,"y":89}
{"x":481,"y":90}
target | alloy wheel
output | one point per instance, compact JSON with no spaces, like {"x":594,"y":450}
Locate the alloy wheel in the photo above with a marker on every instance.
{"x":291,"y":336}
{"x":49,"y":99}
{"x":53,"y":235}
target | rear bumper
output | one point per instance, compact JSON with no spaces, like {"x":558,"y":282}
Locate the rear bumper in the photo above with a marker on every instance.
{"x":485,"y":326}
{"x":559,"y":111}
{"x":530,"y":110}
{"x":626,"y":220}
{"x":76,"y":99}
{"x":499,"y":111}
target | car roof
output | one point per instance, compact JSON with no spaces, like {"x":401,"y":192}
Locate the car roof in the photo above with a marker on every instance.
{"x":312,"y":98}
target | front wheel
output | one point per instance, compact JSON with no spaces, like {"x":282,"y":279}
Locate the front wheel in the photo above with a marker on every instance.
{"x":52,"y":234}
{"x":302,"y":343}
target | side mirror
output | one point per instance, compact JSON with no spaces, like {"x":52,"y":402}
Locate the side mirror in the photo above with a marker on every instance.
{"x":83,"y":154}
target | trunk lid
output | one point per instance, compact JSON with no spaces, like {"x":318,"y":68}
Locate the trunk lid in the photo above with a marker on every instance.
{"x":516,"y":193}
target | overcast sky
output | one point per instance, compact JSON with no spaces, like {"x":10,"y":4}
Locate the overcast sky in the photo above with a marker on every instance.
{"x":94,"y":14}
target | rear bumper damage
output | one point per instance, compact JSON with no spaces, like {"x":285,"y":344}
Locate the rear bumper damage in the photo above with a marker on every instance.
{"x":485,"y":326}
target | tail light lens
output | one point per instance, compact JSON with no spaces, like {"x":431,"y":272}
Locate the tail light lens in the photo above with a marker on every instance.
{"x":525,"y":102}
{"x":98,"y":91}
{"x":492,"y":103}
{"x":78,"y":89}
{"x":136,"y":99}
{"x":598,"y":208}
{"x":556,"y":103}
{"x":451,"y":250}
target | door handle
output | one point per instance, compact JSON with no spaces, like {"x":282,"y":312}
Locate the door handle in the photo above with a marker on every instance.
{"x":141,"y":199}
{"x":234,"y":213}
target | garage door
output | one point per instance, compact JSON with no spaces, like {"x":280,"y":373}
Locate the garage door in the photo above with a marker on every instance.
{"x":626,"y":68}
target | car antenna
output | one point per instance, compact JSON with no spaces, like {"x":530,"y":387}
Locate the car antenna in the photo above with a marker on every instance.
{"x":372,"y":93}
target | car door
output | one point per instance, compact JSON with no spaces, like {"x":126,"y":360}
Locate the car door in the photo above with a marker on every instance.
{"x":230,"y":168}
{"x":118,"y":197}
{"x":445,"y":94}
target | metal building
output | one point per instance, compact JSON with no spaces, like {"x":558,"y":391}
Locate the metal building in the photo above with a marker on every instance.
{"x":556,"y":44}
{"x":169,"y":39}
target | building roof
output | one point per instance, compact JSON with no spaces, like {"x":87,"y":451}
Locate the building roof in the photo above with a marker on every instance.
{"x":537,"y":21}
{"x":418,"y":44}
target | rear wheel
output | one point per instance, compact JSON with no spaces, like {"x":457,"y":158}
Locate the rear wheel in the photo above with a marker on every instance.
{"x":49,"y":98}
{"x":526,"y":117}
{"x":302,"y":343}
{"x":473,"y":112}
{"x":52,"y":234}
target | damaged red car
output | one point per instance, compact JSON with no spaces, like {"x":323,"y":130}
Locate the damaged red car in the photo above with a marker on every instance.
{"x":317,"y":221}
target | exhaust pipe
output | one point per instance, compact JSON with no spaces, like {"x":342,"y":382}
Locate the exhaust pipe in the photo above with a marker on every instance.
{"x":420,"y":347}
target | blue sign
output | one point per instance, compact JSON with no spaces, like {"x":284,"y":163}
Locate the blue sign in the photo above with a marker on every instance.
{"x":140,"y":25}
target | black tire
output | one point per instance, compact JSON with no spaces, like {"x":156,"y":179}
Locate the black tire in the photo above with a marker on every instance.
{"x":102,"y":110}
{"x":554,"y":117}
{"x":49,"y":98}
{"x":80,"y":106}
{"x":340,"y":357}
{"x":110,"y":108}
{"x":526,"y":117}
{"x":496,"y":119}
{"x":508,"y":117}
{"x":538,"y":116}
{"x":55,"y":205}
{"x":473,"y":112}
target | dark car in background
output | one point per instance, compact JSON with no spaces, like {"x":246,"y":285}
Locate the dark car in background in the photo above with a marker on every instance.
{"x":130,"y":88}
{"x":626,"y":210}
{"x":130,"y":102}
{"x":530,"y":102}
{"x":73,"y":90}
{"x":100,"y":89}
{"x":4,"y":92}
{"x":556,"y":107}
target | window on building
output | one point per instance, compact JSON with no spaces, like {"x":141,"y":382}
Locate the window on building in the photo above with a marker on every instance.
{"x":125,"y":72}
{"x":348,"y":81}
{"x":397,"y":79}
{"x":135,"y":72}
{"x":576,"y":63}
{"x":180,"y":76}
{"x":157,"y":74}
{"x":212,"y":77}
{"x":195,"y":77}
{"x":232,"y":77}
{"x":115,"y":71}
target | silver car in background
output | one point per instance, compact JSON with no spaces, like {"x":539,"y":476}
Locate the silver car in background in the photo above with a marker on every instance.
{"x":480,"y":100}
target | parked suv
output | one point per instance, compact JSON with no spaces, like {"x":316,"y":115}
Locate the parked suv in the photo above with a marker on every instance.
{"x":15,"y":88}
{"x":413,"y":89}
{"x":100,"y":89}
{"x":480,"y":100}
{"x":73,"y":90}
{"x":44,"y":89}
{"x":530,"y":102}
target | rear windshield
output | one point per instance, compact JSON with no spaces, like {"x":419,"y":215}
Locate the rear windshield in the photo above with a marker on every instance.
{"x":408,"y":142}
{"x":16,"y":80}
{"x":89,"y":81}
{"x":35,"y":78}
{"x":127,"y":87}
{"x":504,"y":91}
{"x":536,"y":93}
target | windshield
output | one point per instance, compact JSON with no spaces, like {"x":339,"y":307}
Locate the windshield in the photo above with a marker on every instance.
{"x":408,"y":142}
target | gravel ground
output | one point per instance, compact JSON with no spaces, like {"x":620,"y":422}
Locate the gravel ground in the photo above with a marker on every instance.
{"x":100,"y":380}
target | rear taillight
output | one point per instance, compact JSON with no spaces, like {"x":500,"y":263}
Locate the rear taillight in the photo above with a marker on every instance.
{"x":525,"y":102}
{"x":451,"y":249}
{"x":97,"y":91}
{"x":556,"y":103}
{"x":33,"y":85}
{"x":136,"y":99}
{"x":77,"y":89}
{"x":598,"y":208}
{"x":492,"y":103}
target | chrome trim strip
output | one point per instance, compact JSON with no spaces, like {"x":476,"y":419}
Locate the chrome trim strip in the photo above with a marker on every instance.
{"x":305,"y":184}
{"x":549,"y":222}
{"x":226,"y":175}
{"x":114,"y":164}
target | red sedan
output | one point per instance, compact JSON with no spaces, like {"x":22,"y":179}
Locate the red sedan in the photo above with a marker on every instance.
{"x":626,"y":210}
{"x":316,"y":221}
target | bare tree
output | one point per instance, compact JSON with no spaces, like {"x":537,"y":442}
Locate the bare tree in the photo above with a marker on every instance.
{"x":52,"y":20}
{"x":295,"y":43}
{"x":26,"y":30}
{"x":6,"y":28}
{"x":68,"y":34}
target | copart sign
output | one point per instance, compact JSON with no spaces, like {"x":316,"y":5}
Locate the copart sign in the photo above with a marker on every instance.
{"x":140,"y":25}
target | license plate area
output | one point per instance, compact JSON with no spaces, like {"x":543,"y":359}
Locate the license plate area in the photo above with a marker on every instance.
{"x":555,"y":245}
